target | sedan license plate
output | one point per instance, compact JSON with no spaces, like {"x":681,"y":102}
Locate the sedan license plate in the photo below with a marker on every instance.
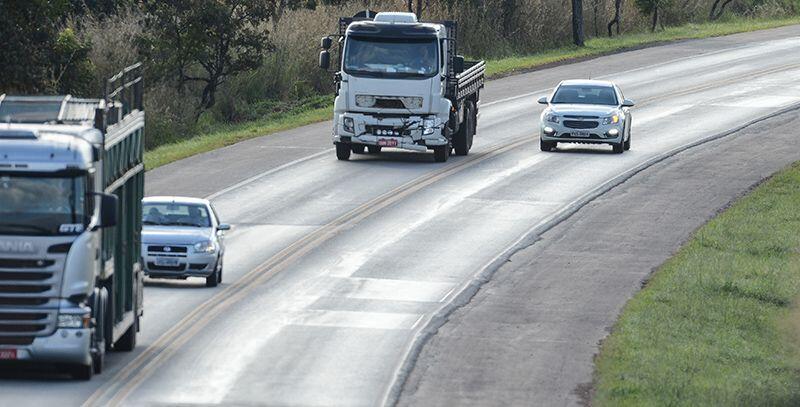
{"x":581,"y":134}
{"x":8,"y":354}
{"x":166,"y":262}
{"x":387,"y":142}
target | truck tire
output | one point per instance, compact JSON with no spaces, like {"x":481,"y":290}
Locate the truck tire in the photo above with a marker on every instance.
{"x":342,"y":151}
{"x":374,"y":149}
{"x":358,"y":148}
{"x":127,"y":342}
{"x":462,"y":140}
{"x":441,"y":153}
{"x":81,"y":372}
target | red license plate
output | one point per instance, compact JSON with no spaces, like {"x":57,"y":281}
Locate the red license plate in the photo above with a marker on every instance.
{"x":8,"y":354}
{"x":387,"y":142}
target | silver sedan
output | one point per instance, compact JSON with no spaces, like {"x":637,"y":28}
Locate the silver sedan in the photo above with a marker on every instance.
{"x":586,"y":111}
{"x":182,"y":237}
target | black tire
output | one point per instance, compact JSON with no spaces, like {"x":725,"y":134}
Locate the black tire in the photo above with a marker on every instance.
{"x":99,"y":341}
{"x":441,"y":154}
{"x":342,"y":151}
{"x":462,"y":140}
{"x":374,"y":149}
{"x":127,"y":342}
{"x":547,"y":145}
{"x":358,"y":148}
{"x":627,"y":145}
{"x":213,"y":279}
{"x":618,"y":148}
{"x":98,"y":360}
{"x":81,"y":372}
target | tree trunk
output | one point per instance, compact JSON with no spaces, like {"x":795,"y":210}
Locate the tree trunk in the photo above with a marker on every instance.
{"x":419,"y":9}
{"x":717,"y":12}
{"x":655,"y":19}
{"x":410,"y":6}
{"x":577,"y":22}
{"x":615,"y":21}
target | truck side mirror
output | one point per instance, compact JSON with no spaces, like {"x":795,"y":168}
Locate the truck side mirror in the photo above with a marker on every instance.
{"x":108,"y":210}
{"x":458,"y":64}
{"x":325,"y":60}
{"x":326,"y":43}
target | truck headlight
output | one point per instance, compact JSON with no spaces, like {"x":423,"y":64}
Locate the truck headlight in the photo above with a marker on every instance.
{"x":552,"y":118}
{"x":74,"y":321}
{"x":611,"y":119}
{"x":205,"y":247}
{"x":349,"y":124}
{"x":428,"y":127}
{"x":412,"y":102}
{"x":365,"y":100}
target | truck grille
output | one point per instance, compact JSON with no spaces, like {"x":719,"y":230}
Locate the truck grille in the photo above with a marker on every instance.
{"x":28,"y":291}
{"x":576,"y":124}
{"x":389,"y":104}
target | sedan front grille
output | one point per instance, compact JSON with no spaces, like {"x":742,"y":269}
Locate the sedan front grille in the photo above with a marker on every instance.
{"x":577,"y":124}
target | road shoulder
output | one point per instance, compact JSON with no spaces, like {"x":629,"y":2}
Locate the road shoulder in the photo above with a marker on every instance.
{"x":530,"y":335}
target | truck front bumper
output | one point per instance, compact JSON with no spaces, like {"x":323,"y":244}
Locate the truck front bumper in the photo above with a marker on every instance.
{"x":63,"y":346}
{"x":408,"y":133}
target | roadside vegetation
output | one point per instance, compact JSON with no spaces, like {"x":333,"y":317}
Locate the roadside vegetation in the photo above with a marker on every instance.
{"x":718,"y":324}
{"x":220,"y":71}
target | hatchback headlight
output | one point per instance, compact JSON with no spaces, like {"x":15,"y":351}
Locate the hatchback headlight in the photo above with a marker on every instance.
{"x":412,"y":102}
{"x":205,"y":247}
{"x":365,"y":100}
{"x":552,"y":118}
{"x":74,"y":321}
{"x":611,"y":119}
{"x":349,"y":124}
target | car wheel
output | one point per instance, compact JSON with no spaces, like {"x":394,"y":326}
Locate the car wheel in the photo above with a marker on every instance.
{"x":547,"y":145}
{"x":342,"y":151}
{"x":618,"y":148}
{"x":374,"y":149}
{"x":215,"y":277}
{"x":627,"y":145}
{"x":358,"y":148}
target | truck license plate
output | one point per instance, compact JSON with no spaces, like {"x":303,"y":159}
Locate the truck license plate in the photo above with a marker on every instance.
{"x":8,"y":354}
{"x":387,"y":142}
{"x":582,"y":134}
{"x":166,"y":262}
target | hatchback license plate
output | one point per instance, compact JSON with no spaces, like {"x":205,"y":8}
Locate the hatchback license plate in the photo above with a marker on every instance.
{"x":166,"y":262}
{"x":8,"y":354}
{"x":582,"y":134}
{"x":387,"y":142}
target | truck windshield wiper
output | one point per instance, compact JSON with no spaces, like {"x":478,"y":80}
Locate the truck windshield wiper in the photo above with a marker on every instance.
{"x":24,"y":226}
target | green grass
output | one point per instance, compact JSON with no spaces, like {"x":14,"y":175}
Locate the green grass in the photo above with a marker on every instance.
{"x":717,"y":324}
{"x":223,"y":135}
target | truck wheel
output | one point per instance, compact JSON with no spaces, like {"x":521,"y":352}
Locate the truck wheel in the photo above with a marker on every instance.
{"x":461,"y":140}
{"x":81,"y":372}
{"x":358,"y":148}
{"x":127,"y":342}
{"x":441,"y":154}
{"x":342,"y":151}
{"x":374,"y":149}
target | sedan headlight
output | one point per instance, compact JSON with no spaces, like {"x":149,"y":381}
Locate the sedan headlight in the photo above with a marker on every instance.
{"x":412,"y":102}
{"x":552,"y":118}
{"x":611,"y":119}
{"x":205,"y":247}
{"x":349,"y":124}
{"x":365,"y":100}
{"x":74,"y":321}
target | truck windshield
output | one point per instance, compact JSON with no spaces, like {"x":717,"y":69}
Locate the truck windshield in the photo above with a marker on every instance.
{"x":42,"y":206}
{"x":391,"y":58}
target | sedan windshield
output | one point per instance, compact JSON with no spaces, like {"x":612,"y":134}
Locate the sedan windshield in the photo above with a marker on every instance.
{"x":387,"y":58}
{"x":175,"y":214}
{"x":585,"y":95}
{"x":42,"y":206}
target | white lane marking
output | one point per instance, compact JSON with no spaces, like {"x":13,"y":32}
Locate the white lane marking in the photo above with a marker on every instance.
{"x":661,"y":113}
{"x":771,"y":101}
{"x":357,"y":319}
{"x":397,"y":290}
{"x":265,"y":174}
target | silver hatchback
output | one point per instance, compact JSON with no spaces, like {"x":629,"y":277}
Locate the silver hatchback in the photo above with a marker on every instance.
{"x":586,"y":111}
{"x":182,"y":237}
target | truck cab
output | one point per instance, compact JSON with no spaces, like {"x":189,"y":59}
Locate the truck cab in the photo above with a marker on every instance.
{"x":398,"y":83}
{"x":71,"y":182}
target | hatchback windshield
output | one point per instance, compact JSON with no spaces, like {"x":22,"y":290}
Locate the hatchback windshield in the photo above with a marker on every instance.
{"x":175,"y":214}
{"x":585,"y":95}
{"x":386,"y":57}
{"x":38,"y":205}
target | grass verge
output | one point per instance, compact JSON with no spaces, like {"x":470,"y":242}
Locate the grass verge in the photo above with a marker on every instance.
{"x":717,"y":324}
{"x":224,"y":135}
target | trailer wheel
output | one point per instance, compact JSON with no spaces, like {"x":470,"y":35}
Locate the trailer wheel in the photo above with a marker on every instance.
{"x":127,"y":342}
{"x":342,"y":151}
{"x":441,"y":154}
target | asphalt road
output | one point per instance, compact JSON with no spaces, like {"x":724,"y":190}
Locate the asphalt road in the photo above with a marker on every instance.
{"x":335,"y":269}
